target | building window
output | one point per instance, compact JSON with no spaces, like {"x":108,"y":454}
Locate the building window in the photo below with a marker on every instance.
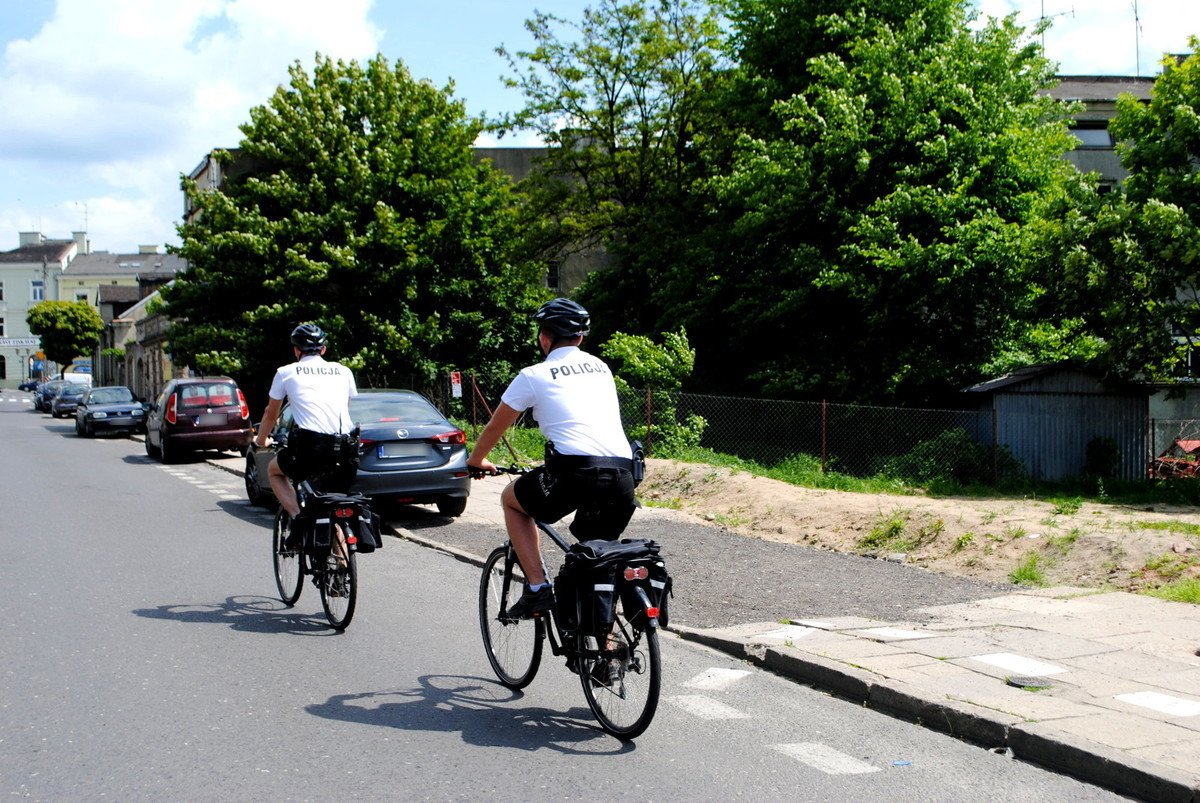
{"x":1093,"y":137}
{"x":552,"y":276}
{"x":1,"y":291}
{"x":81,"y":295}
{"x":37,"y":290}
{"x":3,"y":368}
{"x":2,"y":334}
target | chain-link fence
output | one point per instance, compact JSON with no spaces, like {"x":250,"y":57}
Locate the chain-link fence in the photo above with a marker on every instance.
{"x":918,"y":445}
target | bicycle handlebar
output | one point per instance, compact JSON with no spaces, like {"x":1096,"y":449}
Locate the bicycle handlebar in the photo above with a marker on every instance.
{"x":477,"y":473}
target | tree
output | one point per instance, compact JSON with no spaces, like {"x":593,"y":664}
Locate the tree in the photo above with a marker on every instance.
{"x":875,"y":239}
{"x":619,"y":97}
{"x":365,"y":211}
{"x":68,"y":329}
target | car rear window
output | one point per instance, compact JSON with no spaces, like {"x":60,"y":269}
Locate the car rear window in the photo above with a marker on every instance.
{"x":367,"y":410}
{"x":208,"y":394}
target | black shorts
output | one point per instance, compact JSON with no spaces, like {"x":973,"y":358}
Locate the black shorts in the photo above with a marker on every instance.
{"x":332,"y":460}
{"x":602,"y":498}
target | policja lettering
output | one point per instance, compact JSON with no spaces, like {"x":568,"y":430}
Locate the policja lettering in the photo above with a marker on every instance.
{"x":324,"y":370}
{"x":584,"y":368}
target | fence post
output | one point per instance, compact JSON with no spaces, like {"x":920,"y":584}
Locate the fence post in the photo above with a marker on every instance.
{"x":649,"y":424}
{"x":824,"y":404}
{"x":995,"y":445}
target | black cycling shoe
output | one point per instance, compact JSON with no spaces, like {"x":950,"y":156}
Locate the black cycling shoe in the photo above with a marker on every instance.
{"x":606,"y":673}
{"x":532,"y":602}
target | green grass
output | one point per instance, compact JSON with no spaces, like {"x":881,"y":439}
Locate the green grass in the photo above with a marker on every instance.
{"x":962,"y":542}
{"x":1180,"y":591}
{"x":1066,"y":507}
{"x":528,"y":443}
{"x":1028,"y":572}
{"x":888,"y":534}
{"x":801,"y":469}
{"x":1182,"y":527}
{"x":1061,"y":544}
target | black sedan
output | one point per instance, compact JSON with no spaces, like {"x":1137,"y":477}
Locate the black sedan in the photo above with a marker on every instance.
{"x":67,"y":400}
{"x":109,"y":409}
{"x":409,"y":453}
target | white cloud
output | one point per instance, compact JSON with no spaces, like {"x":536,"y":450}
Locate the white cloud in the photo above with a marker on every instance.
{"x":131,"y":93}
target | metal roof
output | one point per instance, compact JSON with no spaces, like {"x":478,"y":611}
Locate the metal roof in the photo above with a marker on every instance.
{"x":50,"y":250}
{"x":104,"y":264}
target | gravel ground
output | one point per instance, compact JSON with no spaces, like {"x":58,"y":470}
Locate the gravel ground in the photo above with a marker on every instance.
{"x":722,"y":578}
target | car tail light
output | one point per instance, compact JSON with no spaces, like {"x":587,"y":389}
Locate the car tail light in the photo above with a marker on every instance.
{"x":170,"y":414}
{"x":636,"y":572}
{"x":242,"y":404}
{"x":457,"y":436}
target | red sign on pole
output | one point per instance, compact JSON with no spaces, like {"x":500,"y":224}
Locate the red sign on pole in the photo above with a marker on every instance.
{"x":456,"y":384}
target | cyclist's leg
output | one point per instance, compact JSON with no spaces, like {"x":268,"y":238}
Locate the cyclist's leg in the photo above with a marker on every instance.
{"x":281,"y":484}
{"x":524,"y":535}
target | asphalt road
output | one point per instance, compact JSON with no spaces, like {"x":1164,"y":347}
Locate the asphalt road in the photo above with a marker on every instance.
{"x":144,"y":655}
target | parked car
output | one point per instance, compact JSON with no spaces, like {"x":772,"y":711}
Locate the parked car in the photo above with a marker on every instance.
{"x":46,"y":393}
{"x":31,"y":385}
{"x":197,"y":413}
{"x":409,"y":453}
{"x":67,"y":399}
{"x":111,"y":408}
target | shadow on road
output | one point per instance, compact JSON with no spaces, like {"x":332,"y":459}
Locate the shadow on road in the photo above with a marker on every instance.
{"x":480,"y":709}
{"x":244,"y":614}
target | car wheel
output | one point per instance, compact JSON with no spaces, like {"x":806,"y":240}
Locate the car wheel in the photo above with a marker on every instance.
{"x":151,"y":450}
{"x":78,"y":428}
{"x":87,"y":430}
{"x":167,"y":452}
{"x":254,"y":494}
{"x":452,"y":506}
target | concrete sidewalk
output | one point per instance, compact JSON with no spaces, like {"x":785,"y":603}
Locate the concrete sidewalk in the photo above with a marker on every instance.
{"x":1102,"y":686}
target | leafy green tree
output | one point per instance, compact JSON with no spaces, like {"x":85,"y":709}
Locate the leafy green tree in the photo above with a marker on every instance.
{"x":874,"y":241}
{"x":642,"y":366}
{"x":68,"y":329}
{"x":364,"y":210}
{"x":620,"y":98}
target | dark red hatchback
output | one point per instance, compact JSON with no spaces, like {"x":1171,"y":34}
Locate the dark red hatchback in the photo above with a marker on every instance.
{"x":197,"y":413}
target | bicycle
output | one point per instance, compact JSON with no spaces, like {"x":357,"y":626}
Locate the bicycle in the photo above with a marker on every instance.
{"x":618,"y":665}
{"x":341,"y":525}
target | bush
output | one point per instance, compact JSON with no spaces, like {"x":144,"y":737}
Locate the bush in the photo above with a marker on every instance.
{"x":953,"y":457}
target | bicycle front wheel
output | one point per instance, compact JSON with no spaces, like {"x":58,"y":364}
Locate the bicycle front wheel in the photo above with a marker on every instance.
{"x":621,"y":675}
{"x":339,"y":591}
{"x":513,"y":646}
{"x":289,"y":563}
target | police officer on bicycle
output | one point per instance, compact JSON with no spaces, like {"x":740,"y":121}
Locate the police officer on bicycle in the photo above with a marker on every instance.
{"x":320,"y":442}
{"x":588,"y":466}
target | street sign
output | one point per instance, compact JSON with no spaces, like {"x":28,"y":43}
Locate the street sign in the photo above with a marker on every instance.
{"x":456,"y":384}
{"x":20,"y":342}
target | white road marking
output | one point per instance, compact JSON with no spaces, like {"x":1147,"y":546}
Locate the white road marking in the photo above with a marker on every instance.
{"x":894,"y":633}
{"x":1018,"y":664}
{"x":1163,"y":703}
{"x":785,"y":633}
{"x":705,"y":707}
{"x":824,"y":758}
{"x":716,"y":679}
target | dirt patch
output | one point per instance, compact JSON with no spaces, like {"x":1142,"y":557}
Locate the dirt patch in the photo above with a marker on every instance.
{"x":999,"y":540}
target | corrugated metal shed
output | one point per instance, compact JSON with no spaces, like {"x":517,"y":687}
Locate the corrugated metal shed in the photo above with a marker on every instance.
{"x":1048,"y":414}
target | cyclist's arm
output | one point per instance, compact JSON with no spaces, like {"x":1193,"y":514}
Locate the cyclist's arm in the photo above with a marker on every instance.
{"x":502,"y":419}
{"x":270,"y":417}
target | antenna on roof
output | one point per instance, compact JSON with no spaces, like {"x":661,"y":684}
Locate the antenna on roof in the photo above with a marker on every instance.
{"x":1137,"y":40}
{"x":1043,"y":17}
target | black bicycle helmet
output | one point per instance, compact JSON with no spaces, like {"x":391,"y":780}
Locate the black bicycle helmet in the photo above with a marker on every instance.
{"x":563,"y":317}
{"x":309,"y":338}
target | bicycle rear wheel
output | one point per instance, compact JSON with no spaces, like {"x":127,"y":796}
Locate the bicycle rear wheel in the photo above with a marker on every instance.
{"x":289,"y":563}
{"x":621,"y":679}
{"x":339,"y":591}
{"x":513,"y":646}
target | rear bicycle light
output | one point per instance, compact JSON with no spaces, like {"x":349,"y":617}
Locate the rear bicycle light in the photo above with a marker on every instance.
{"x":636,"y":573}
{"x":652,"y":612}
{"x":343,"y":512}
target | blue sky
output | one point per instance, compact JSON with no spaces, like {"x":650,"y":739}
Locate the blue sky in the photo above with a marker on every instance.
{"x":106,"y":102}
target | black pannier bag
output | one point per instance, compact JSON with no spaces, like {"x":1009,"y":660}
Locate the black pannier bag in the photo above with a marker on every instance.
{"x":368,"y":531}
{"x":591,"y":581}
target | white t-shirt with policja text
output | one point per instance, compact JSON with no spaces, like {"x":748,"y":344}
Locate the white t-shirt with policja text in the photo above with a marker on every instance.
{"x":319,"y":393}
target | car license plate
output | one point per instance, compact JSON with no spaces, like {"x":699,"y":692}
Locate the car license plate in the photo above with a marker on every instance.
{"x":211,"y":420}
{"x":392,"y":450}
